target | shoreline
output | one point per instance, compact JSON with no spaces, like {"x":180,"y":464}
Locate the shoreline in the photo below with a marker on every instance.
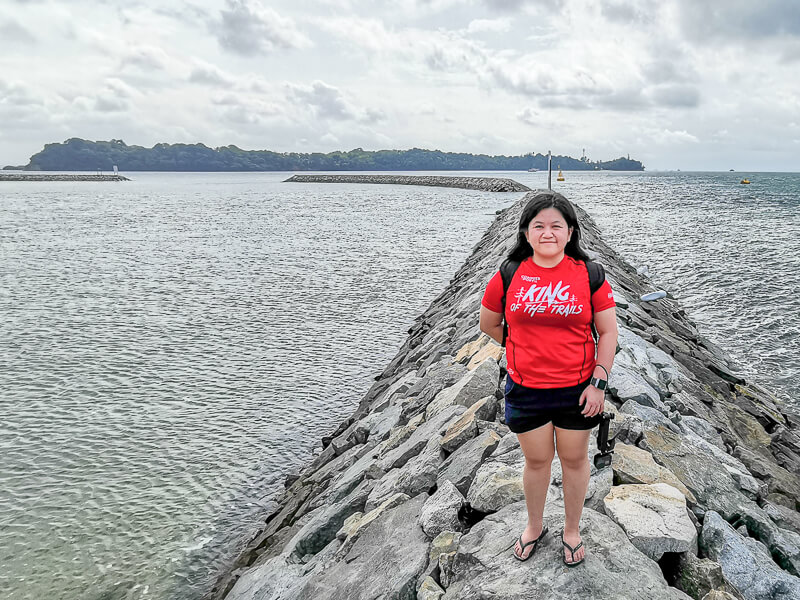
{"x":59,"y":177}
{"x":485,"y":184}
{"x":677,"y":400}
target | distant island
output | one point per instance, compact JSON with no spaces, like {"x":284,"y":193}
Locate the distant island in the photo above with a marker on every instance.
{"x":77,"y":154}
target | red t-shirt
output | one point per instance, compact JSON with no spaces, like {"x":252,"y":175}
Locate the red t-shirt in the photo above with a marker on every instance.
{"x":549,"y":317}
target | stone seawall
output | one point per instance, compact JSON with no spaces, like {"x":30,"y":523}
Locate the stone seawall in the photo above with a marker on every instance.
{"x":419,"y":493}
{"x":59,"y":177}
{"x":486,"y":184}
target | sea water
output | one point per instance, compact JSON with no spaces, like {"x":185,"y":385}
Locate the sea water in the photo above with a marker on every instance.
{"x":173,"y":346}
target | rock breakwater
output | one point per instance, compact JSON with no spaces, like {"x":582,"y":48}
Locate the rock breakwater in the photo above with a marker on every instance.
{"x":59,"y":177}
{"x":419,"y":493}
{"x":486,"y":184}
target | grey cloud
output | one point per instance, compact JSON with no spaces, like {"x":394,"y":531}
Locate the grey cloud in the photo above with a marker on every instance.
{"x":625,"y":11}
{"x":248,"y":28}
{"x":528,"y":116}
{"x":12,"y":31}
{"x":515,"y":5}
{"x":737,"y":19}
{"x":14,"y":94}
{"x":147,"y":58}
{"x":327,"y":101}
{"x":663,"y":71}
{"x":675,"y":95}
{"x":209,"y":75}
{"x":110,"y":103}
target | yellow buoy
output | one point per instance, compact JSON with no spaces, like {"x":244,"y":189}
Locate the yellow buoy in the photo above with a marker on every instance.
{"x":561,"y":176}
{"x":745,"y":181}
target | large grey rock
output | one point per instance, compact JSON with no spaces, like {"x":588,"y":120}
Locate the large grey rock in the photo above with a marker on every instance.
{"x":634,"y":465}
{"x":783,"y":544}
{"x":654,"y":517}
{"x":629,"y":385}
{"x":469,"y":389}
{"x":613,"y":568}
{"x":696,"y":467}
{"x":703,"y":429}
{"x":429,"y":590}
{"x":783,"y":517}
{"x":431,"y":429}
{"x":467,"y":426}
{"x":498,"y":482}
{"x":440,"y":512}
{"x":322,"y":529}
{"x":384,"y":562}
{"x":648,"y":414}
{"x":461,"y":466}
{"x":415,"y":477}
{"x":745,"y":563}
{"x":700,"y":576}
{"x":276,"y":578}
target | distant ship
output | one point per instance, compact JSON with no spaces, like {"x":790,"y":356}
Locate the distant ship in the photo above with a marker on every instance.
{"x":533,"y":170}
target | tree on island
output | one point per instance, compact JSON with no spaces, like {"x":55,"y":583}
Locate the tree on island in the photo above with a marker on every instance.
{"x":76,"y":154}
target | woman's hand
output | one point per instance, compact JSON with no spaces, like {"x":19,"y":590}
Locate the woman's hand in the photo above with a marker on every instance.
{"x":592,"y":400}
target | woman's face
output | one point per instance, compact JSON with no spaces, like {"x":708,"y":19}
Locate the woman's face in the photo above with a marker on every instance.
{"x":548,"y":233}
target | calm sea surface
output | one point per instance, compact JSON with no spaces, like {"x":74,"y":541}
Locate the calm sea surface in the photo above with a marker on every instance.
{"x":172,"y":346}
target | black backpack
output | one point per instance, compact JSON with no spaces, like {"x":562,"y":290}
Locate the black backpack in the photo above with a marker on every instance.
{"x":597,"y":276}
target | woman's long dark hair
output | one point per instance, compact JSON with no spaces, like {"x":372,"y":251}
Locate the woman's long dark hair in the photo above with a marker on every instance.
{"x":537,"y":202}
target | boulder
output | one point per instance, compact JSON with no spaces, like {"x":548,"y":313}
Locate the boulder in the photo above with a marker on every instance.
{"x":443,"y":551}
{"x":461,"y":466}
{"x":498,"y":482}
{"x":484,"y":568}
{"x":466,"y":427}
{"x":654,"y":517}
{"x":358,"y":522}
{"x":440,"y":512}
{"x":429,"y":590}
{"x":696,"y":467}
{"x":469,"y":389}
{"x":746,"y":563}
{"x":491,"y":350}
{"x":700,"y":576}
{"x":322,"y":528}
{"x":429,"y":430}
{"x":415,"y":477}
{"x":629,"y":385}
{"x":634,"y":465}
{"x":373,"y":567}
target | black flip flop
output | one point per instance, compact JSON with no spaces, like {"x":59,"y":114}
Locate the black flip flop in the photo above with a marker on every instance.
{"x":572,"y":552}
{"x":523,"y":546}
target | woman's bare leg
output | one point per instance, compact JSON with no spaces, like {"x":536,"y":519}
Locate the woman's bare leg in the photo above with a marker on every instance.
{"x":573,"y":452}
{"x":537,"y":446}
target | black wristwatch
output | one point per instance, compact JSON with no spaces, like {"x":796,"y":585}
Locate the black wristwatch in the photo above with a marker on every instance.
{"x":600,"y":384}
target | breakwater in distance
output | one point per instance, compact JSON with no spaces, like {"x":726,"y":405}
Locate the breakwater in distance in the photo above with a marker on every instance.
{"x":486,"y":184}
{"x":59,"y":177}
{"x":419,"y":493}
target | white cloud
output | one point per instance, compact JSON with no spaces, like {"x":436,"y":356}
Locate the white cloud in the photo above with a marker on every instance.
{"x":248,"y":28}
{"x":489,"y":25}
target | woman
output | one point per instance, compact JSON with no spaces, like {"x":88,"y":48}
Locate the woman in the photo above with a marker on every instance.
{"x":552,"y":358}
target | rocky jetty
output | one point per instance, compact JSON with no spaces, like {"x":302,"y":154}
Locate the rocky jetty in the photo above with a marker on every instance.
{"x":419,"y":493}
{"x":59,"y":177}
{"x":486,"y":184}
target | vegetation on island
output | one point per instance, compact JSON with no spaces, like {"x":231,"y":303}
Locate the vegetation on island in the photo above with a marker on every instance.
{"x":84,"y":155}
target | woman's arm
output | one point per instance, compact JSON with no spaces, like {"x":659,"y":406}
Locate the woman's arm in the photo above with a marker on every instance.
{"x":491,"y":323}
{"x":605,"y":321}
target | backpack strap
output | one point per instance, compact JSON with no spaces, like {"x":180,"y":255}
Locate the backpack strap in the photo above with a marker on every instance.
{"x":507,"y":270}
{"x":597,"y":275}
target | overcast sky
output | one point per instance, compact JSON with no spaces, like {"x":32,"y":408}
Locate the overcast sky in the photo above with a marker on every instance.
{"x":676,"y":83}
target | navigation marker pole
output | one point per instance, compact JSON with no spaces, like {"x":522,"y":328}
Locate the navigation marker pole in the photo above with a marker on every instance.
{"x":549,"y":170}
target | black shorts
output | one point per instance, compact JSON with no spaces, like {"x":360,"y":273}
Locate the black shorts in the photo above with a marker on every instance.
{"x":529,"y":408}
